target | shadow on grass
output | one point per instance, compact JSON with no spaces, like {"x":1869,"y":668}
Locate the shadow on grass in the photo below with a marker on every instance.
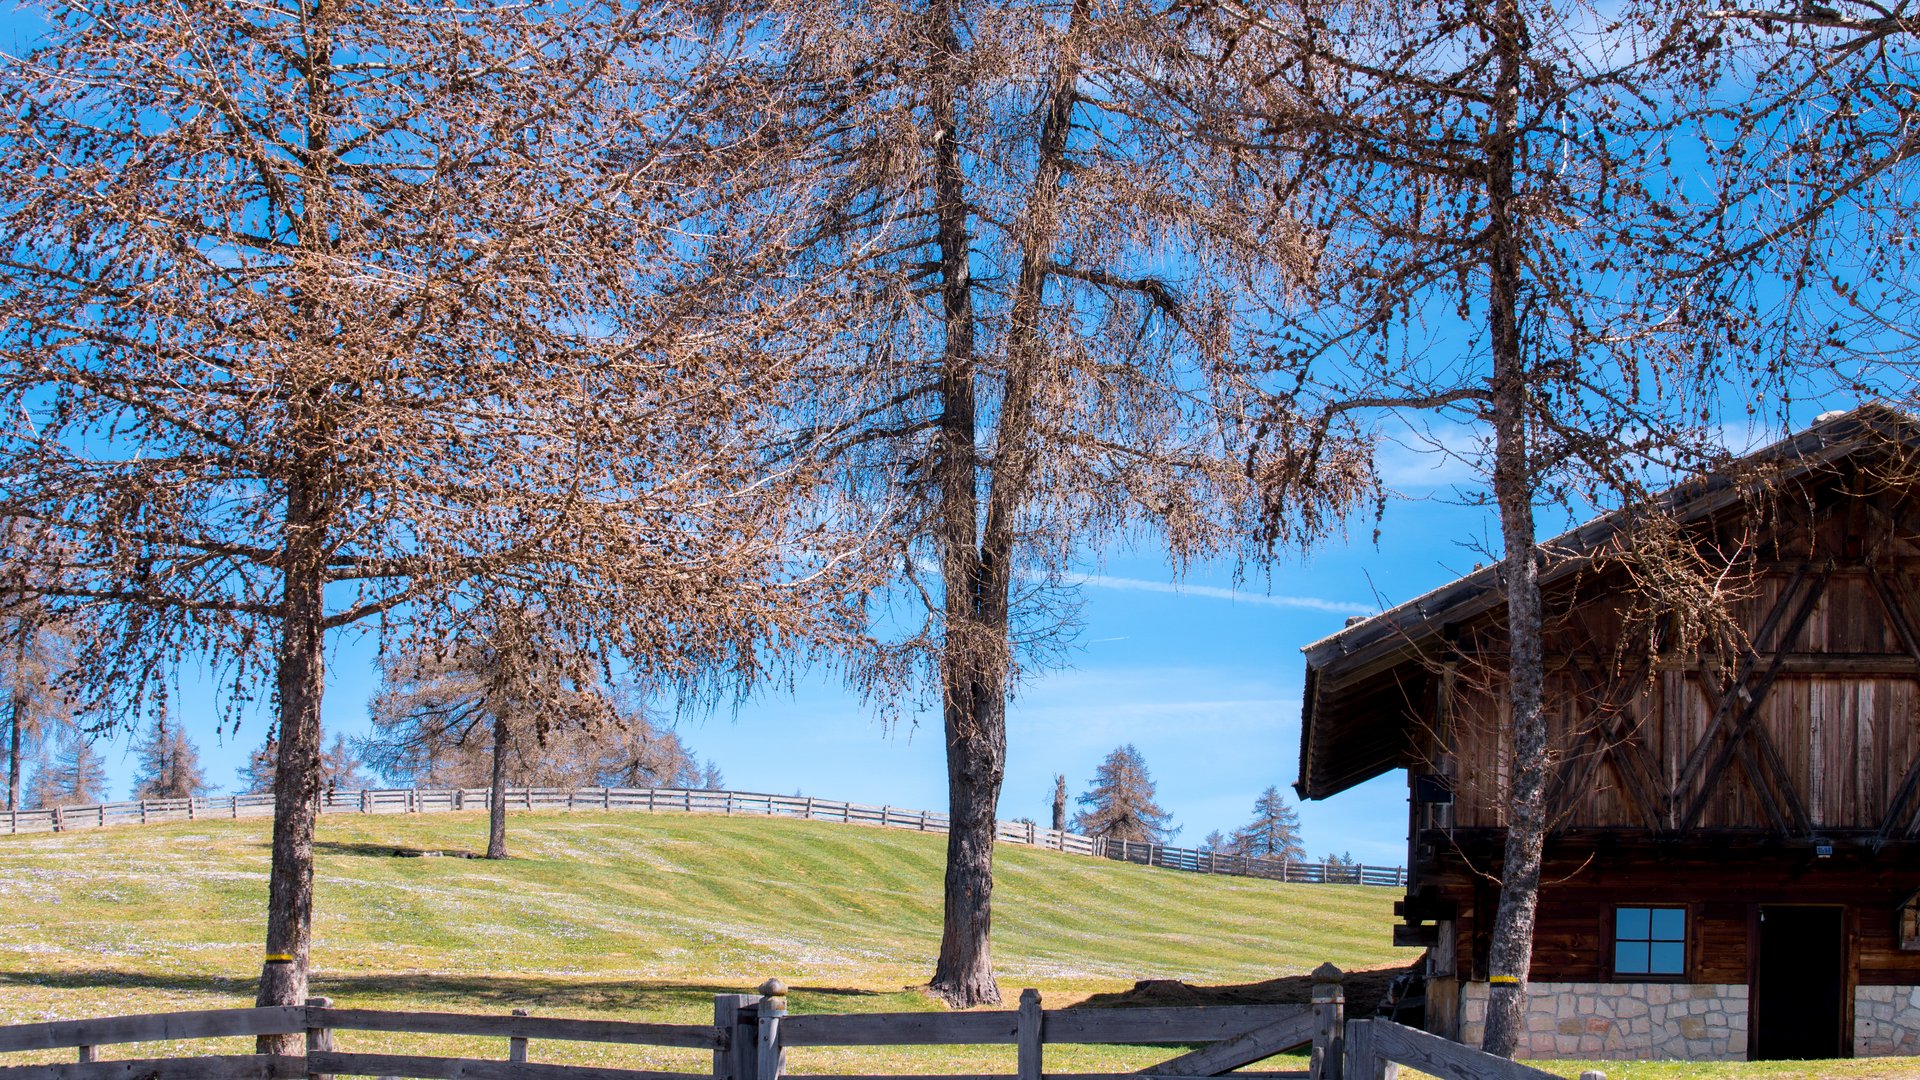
{"x":429,"y":991}
{"x":392,"y":851}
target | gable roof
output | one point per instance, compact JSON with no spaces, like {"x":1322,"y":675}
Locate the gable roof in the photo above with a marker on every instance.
{"x":1365,"y":684}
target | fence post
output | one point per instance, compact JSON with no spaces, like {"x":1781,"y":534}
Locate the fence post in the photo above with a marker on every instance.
{"x":517,"y":1044}
{"x":319,"y":1039}
{"x":769,"y":1058}
{"x":1329,"y":1016}
{"x":1029,"y":1036}
{"x":89,"y":1054}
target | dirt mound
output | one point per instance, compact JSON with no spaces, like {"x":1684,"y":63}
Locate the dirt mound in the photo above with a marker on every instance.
{"x":1364,"y":990}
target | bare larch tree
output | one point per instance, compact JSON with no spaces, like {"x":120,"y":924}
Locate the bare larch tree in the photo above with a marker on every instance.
{"x":328,"y":314}
{"x":1122,"y":803}
{"x":1058,"y":278}
{"x":1489,"y":186}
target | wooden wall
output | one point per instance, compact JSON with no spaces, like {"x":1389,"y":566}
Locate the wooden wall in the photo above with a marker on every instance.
{"x":1661,"y":740}
{"x":1585,"y":879}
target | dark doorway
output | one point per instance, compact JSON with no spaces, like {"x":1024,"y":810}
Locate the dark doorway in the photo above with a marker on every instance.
{"x":1800,"y":984}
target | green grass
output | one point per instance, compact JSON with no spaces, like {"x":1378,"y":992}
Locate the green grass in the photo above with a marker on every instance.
{"x":634,"y":916}
{"x":647,"y":917}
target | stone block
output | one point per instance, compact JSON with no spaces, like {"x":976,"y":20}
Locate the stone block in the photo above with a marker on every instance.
{"x":1570,"y":1026}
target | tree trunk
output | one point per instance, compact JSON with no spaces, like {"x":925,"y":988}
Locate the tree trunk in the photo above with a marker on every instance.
{"x":17,"y":706}
{"x":977,"y":557}
{"x":497,"y":798}
{"x":1510,"y":954}
{"x":296,"y":781}
{"x":1060,"y":803}
{"x":971,"y":701}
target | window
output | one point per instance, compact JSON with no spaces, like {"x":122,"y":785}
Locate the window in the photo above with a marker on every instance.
{"x":1649,"y":941}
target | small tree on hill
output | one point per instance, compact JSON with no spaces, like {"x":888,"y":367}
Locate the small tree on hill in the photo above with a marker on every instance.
{"x":1274,"y":832}
{"x":72,"y":777}
{"x":341,"y":768}
{"x":711,"y":777}
{"x":1217,"y":842}
{"x":169,"y":764}
{"x":1120,"y":805}
{"x":257,"y":774}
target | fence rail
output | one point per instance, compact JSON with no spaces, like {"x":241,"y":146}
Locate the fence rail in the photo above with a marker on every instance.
{"x":748,"y":1040}
{"x":751,"y":1033}
{"x":696,"y":801}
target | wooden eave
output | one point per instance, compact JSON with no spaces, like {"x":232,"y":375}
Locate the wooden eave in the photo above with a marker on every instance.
{"x":1351,"y":728}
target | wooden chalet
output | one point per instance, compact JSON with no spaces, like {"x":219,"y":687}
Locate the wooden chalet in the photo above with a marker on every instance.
{"x":1733,"y":869}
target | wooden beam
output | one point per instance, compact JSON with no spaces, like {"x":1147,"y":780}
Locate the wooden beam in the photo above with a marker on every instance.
{"x":1243,"y":1049}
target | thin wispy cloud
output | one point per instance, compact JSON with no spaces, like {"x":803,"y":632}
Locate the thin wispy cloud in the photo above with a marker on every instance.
{"x":1214,"y":592}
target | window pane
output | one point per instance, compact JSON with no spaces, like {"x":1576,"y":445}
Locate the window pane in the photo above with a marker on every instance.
{"x":1631,"y":922}
{"x":1669,"y":924}
{"x":1630,"y":958}
{"x":1667,"y":958}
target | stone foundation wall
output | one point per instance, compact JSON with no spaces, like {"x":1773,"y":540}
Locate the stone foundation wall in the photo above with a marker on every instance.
{"x":1625,"y":1021}
{"x":1886,"y":1021}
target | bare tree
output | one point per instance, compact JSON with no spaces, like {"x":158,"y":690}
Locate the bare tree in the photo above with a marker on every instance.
{"x":1809,"y":121}
{"x":71,"y":775}
{"x":1059,"y":802}
{"x":1491,"y":191}
{"x":34,"y":651}
{"x":169,"y":764}
{"x":1059,"y":279}
{"x":325,"y":314}
{"x":503,"y":704}
{"x":1121,"y":804}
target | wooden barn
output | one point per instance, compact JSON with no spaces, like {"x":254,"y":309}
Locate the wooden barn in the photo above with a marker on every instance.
{"x":1734,"y":863}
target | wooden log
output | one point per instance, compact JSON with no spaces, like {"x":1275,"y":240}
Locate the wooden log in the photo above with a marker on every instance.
{"x":769,"y":1055}
{"x":1029,"y":1036}
{"x":319,"y":1039}
{"x":692,"y":1036}
{"x":517,"y":1044}
{"x":88,"y":1054}
{"x":1206,"y":1023}
{"x":1329,"y":1011}
{"x":441,"y":1068}
{"x":154,"y":1027}
{"x":1243,"y":1049}
{"x":227,"y":1067}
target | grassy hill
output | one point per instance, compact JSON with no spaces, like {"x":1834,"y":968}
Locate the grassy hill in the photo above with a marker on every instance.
{"x":632,"y":915}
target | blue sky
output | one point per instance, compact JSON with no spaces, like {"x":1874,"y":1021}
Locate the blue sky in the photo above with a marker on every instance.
{"x":1203,"y":678}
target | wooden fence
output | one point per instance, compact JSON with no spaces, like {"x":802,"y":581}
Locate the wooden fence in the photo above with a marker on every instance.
{"x":750,"y":1036}
{"x":695,"y":801}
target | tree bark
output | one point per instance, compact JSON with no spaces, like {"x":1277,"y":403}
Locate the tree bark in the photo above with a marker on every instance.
{"x":977,"y":557}
{"x":1511,"y":952}
{"x":17,"y":706}
{"x":497,"y":796}
{"x":296,"y":781}
{"x":971,"y":664}
{"x":1060,"y":803}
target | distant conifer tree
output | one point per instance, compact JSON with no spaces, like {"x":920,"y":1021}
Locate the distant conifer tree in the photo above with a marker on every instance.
{"x":1120,"y":805}
{"x":1217,"y":843}
{"x":169,"y":764}
{"x":1274,"y":832}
